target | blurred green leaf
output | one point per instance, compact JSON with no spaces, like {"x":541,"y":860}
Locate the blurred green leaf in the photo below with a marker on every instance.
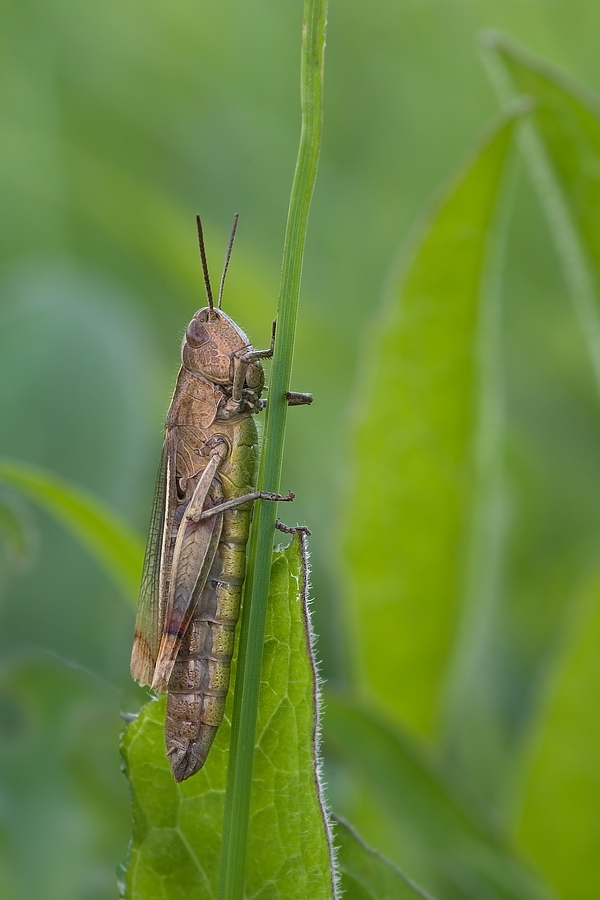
{"x":562,"y":145}
{"x":365,"y":874}
{"x":82,"y":396}
{"x":544,"y":491}
{"x":412,"y":494}
{"x":177,"y":828}
{"x":560,"y":819}
{"x":426,"y":823}
{"x":64,"y":813}
{"x":16,"y":530}
{"x":107,"y":537}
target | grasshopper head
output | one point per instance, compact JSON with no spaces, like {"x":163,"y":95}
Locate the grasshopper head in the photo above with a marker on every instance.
{"x":211,"y":342}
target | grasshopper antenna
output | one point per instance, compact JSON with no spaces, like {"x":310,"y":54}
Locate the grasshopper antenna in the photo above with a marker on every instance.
{"x":227,"y":257}
{"x":209,"y":294}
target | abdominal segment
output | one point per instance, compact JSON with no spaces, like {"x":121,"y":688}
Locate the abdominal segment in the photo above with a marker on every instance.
{"x":198,"y":686}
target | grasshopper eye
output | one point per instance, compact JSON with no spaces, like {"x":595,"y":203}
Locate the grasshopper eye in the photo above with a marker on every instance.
{"x":196,"y":334}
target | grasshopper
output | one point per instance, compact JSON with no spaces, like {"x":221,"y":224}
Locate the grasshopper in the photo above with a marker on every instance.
{"x":196,"y":551}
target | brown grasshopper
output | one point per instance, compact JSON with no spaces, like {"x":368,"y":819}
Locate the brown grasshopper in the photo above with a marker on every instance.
{"x":196,"y":552}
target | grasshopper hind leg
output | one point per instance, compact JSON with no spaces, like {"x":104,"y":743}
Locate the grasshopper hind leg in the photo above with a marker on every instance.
{"x":302,"y":530}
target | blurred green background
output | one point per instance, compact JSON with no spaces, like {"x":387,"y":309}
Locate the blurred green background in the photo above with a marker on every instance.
{"x":120,"y":121}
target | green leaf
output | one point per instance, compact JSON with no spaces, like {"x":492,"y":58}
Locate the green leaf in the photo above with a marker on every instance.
{"x":365,"y":874}
{"x":107,"y":537}
{"x":562,"y":146}
{"x":404,"y":805}
{"x":560,"y":819}
{"x":177,"y":828}
{"x":545,"y":495}
{"x":412,"y":494}
{"x":559,"y":823}
{"x":16,"y":531}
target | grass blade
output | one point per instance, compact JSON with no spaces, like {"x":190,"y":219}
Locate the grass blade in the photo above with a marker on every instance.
{"x":237,"y":799}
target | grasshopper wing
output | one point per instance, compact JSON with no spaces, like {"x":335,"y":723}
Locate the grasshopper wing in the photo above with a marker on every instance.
{"x":193,"y":557}
{"x":152,"y":602}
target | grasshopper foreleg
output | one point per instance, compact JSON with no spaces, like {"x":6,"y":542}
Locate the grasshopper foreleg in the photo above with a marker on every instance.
{"x":251,"y":355}
{"x":242,"y":360}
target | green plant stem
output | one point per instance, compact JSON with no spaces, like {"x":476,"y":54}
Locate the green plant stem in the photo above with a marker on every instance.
{"x":247,"y":684}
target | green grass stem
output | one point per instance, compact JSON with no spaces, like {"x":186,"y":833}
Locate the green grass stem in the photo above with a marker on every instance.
{"x":247,"y":684}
